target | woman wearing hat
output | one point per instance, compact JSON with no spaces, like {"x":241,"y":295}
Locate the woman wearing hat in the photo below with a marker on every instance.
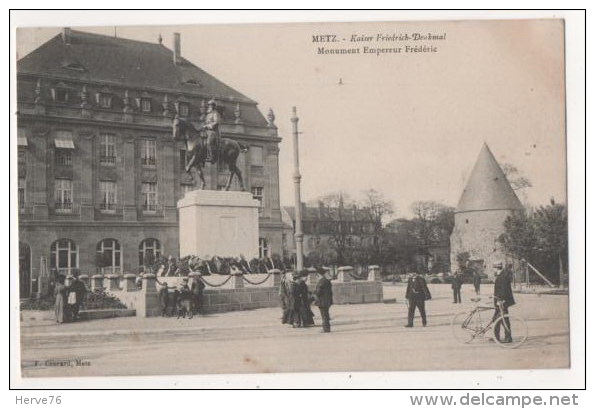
{"x":61,"y":306}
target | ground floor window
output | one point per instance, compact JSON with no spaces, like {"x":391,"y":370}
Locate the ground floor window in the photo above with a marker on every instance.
{"x":109,"y":256}
{"x":149,"y":250}
{"x":64,"y":256}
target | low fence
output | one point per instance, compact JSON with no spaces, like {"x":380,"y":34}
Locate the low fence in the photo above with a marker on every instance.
{"x":235,"y":292}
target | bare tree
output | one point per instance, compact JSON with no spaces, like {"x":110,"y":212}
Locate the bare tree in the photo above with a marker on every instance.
{"x":516,"y":179}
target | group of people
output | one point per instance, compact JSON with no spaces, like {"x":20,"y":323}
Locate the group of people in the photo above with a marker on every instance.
{"x":296,"y":300}
{"x":183,"y":301}
{"x":457,"y":283}
{"x":418,"y":293}
{"x":69,"y":298}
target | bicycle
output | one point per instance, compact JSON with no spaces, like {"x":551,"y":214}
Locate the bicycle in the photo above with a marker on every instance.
{"x":467,"y":326}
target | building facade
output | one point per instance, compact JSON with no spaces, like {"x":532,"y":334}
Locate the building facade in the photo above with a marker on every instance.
{"x":99,"y":174}
{"x":323,"y":227}
{"x":486,"y":202}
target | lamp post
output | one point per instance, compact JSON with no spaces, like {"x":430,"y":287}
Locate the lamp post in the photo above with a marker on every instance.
{"x":299,"y":235}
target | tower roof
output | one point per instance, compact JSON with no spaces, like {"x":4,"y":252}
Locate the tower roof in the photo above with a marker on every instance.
{"x":487,"y":187}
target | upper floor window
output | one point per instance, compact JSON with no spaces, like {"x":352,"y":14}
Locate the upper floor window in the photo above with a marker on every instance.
{"x":256,"y":158}
{"x":63,"y":195}
{"x":63,"y":157}
{"x":148,"y":152}
{"x":258,"y":194}
{"x":149,"y":197}
{"x":107,"y":149}
{"x":22,"y":191}
{"x":61,"y":94}
{"x":104,"y":100}
{"x":108,"y":196}
{"x":145,"y":105}
{"x":183,"y":108}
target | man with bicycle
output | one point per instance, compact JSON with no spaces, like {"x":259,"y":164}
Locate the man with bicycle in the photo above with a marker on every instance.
{"x":503,"y":294}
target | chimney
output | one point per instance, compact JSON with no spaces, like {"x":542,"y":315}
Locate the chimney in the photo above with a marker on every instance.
{"x":66,"y":35}
{"x":177,"y":48}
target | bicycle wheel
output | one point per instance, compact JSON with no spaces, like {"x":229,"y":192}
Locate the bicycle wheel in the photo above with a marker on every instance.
{"x":510,"y":331}
{"x":465,"y":327}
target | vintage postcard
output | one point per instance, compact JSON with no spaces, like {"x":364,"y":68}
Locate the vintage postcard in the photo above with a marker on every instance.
{"x":337,"y":197}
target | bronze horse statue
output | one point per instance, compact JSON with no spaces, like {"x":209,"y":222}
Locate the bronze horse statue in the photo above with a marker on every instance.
{"x":228,"y":151}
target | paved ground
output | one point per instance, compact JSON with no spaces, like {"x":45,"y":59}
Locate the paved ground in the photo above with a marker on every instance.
{"x":368,"y":337}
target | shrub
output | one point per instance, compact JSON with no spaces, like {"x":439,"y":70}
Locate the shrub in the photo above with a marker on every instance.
{"x":101,"y":300}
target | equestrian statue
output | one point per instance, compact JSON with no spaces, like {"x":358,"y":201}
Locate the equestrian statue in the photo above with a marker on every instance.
{"x":204,"y":144}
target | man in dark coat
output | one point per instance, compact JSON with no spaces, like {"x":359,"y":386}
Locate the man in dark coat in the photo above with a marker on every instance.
{"x":197,"y":290}
{"x":457,"y":283}
{"x":78,"y":288}
{"x":324,"y":299}
{"x":417,"y":293}
{"x":503,"y":294}
{"x":164,"y":299}
{"x":476,"y":281}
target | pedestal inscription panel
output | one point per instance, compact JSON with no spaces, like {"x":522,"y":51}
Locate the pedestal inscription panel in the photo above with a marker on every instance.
{"x":218,"y":223}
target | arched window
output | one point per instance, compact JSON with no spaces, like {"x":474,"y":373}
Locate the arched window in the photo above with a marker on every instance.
{"x":149,"y":250}
{"x":109,"y":256}
{"x":64,"y":256}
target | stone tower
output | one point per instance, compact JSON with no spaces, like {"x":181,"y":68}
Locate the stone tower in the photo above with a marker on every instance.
{"x":485,"y":203}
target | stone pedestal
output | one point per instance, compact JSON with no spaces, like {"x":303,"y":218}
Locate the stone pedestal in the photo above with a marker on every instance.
{"x":96,"y":282}
{"x":218,"y":223}
{"x":129,"y":282}
{"x":148,"y":302}
{"x":276,"y":274}
{"x":110,"y":282}
{"x":237,"y":281}
{"x":374,"y":273}
{"x":344,"y":274}
{"x":85,"y":279}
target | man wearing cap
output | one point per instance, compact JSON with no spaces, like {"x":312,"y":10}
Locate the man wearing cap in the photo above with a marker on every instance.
{"x":324,"y":299}
{"x":503,"y":293}
{"x":417,"y":293}
{"x":212,"y":121}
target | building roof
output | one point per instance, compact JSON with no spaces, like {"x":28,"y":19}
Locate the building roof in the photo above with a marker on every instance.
{"x":487,"y":187}
{"x":121,"y":61}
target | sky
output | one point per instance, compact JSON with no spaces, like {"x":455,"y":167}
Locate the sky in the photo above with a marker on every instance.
{"x":409,"y":125}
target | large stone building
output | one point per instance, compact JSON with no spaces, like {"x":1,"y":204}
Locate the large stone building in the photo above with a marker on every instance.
{"x":486,"y":202}
{"x":99,"y":175}
{"x":323,"y":226}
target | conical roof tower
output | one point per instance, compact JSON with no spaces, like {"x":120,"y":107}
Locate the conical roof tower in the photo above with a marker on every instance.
{"x":487,"y":187}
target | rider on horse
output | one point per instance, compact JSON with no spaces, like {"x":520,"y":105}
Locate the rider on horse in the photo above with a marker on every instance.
{"x":212,"y":121}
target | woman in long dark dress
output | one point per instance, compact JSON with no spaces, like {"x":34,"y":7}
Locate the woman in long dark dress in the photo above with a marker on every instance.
{"x":61,"y":307}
